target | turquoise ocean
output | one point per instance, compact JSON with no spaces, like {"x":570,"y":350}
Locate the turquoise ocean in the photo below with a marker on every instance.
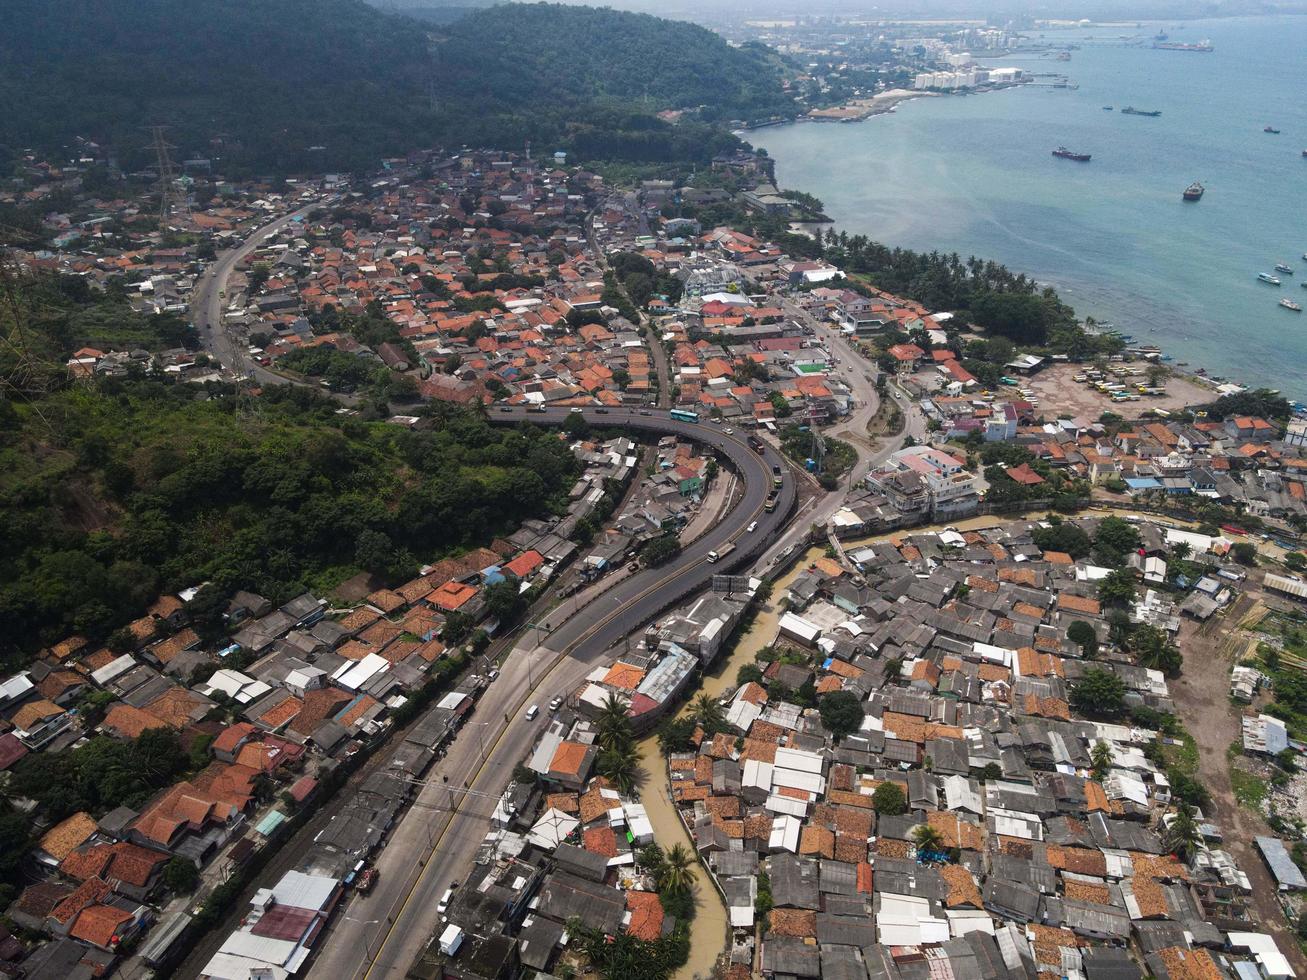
{"x":975,"y":175}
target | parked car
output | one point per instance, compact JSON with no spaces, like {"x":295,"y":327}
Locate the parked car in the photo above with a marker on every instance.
{"x":555,"y":704}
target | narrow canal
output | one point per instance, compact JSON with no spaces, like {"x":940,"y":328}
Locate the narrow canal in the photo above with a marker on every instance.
{"x":709,"y":931}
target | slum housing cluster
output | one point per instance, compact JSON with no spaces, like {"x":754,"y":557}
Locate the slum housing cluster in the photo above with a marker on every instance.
{"x":1035,"y":860}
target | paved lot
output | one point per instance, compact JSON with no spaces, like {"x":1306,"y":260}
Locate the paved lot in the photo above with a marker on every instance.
{"x":1059,"y":394}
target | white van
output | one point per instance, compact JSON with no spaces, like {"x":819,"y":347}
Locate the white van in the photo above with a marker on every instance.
{"x":443,"y":907}
{"x":532,"y":711}
{"x":712,"y":556}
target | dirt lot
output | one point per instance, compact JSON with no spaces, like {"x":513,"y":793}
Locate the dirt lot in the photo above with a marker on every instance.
{"x":1058,"y":394}
{"x":1201,"y":696}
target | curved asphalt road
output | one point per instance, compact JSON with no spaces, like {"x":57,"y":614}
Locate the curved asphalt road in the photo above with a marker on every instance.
{"x":436,"y":840}
{"x":636,"y":600}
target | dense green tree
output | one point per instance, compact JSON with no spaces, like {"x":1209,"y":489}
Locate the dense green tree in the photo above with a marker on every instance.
{"x":709,"y":714}
{"x":1099,"y":693}
{"x":1117,"y":587}
{"x":1153,"y":648}
{"x":1114,"y":539}
{"x":1065,"y":537}
{"x":180,"y":876}
{"x":660,"y":550}
{"x":1084,"y":636}
{"x":1244,"y":552}
{"x":889,"y":799}
{"x":1183,"y":836}
{"x":841,"y":712}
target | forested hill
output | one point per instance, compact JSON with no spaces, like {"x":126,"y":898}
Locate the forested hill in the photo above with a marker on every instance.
{"x":555,"y":57}
{"x":260,"y":81}
{"x":315,"y":85}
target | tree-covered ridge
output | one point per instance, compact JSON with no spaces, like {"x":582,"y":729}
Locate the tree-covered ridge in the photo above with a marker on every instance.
{"x":315,"y":85}
{"x":113,"y":491}
{"x":561,"y":56}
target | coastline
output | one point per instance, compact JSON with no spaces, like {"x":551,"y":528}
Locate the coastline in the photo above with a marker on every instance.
{"x":1166,"y":351}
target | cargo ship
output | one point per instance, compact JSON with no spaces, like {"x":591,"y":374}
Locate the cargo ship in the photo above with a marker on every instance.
{"x":1203,"y":45}
{"x":1132,"y":111}
{"x":1193,"y":192}
{"x":1066,"y":154}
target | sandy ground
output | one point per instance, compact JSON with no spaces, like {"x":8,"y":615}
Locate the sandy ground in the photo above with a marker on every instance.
{"x":1058,"y":394}
{"x":1201,"y":696}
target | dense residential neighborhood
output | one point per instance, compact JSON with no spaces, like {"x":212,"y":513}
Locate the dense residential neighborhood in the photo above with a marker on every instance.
{"x":947,"y":733}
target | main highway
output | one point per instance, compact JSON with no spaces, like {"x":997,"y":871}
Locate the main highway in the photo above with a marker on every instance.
{"x":435,"y":842}
{"x":209,"y":296}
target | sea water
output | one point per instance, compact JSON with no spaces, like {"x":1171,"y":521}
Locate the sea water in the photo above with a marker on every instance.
{"x":975,"y":175}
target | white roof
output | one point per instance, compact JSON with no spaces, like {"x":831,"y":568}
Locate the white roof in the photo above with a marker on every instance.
{"x":799,"y":759}
{"x":797,"y":626}
{"x":20,"y":684}
{"x":451,"y":700}
{"x":785,"y":830}
{"x":229,"y":966}
{"x":352,"y":676}
{"x":113,"y":668}
{"x":963,"y":921}
{"x":552,"y":829}
{"x":905,"y":920}
{"x":793,"y":779}
{"x":742,"y":714}
{"x":757,"y":774}
{"x":786,"y":805}
{"x":300,"y":890}
{"x":237,"y":686}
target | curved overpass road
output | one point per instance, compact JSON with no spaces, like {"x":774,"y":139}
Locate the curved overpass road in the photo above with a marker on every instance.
{"x":436,"y":840}
{"x":635,"y":601}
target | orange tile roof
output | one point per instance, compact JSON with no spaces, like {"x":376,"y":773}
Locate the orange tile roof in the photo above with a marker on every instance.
{"x":99,"y":925}
{"x":67,"y":835}
{"x":624,"y":676}
{"x":646,"y":915}
{"x":568,"y":758}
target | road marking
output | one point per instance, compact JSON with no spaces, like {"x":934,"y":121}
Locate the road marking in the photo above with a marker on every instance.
{"x":394,"y":916}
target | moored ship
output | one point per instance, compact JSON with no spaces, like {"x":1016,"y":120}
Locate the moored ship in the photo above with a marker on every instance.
{"x":1164,"y":45}
{"x":1132,"y":111}
{"x":1066,"y":154}
{"x":1268,"y":278}
{"x":1289,"y":304}
{"x":1193,"y":192}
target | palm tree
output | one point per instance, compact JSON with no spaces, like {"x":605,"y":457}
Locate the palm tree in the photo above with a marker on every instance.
{"x":1184,"y":836}
{"x":613,"y":723}
{"x":1100,"y":757}
{"x":927,"y":838}
{"x":621,"y":767}
{"x":708,"y":713}
{"x":677,"y":876}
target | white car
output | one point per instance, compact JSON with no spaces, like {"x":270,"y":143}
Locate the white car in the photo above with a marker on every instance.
{"x":729,"y":431}
{"x":753,"y":526}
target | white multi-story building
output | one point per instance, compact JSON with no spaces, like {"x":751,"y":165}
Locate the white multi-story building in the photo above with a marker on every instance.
{"x":923,"y":479}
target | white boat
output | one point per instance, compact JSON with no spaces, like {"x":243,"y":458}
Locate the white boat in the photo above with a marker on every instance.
{"x":1284,"y":267}
{"x":1289,"y":304}
{"x":1267,"y":277}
